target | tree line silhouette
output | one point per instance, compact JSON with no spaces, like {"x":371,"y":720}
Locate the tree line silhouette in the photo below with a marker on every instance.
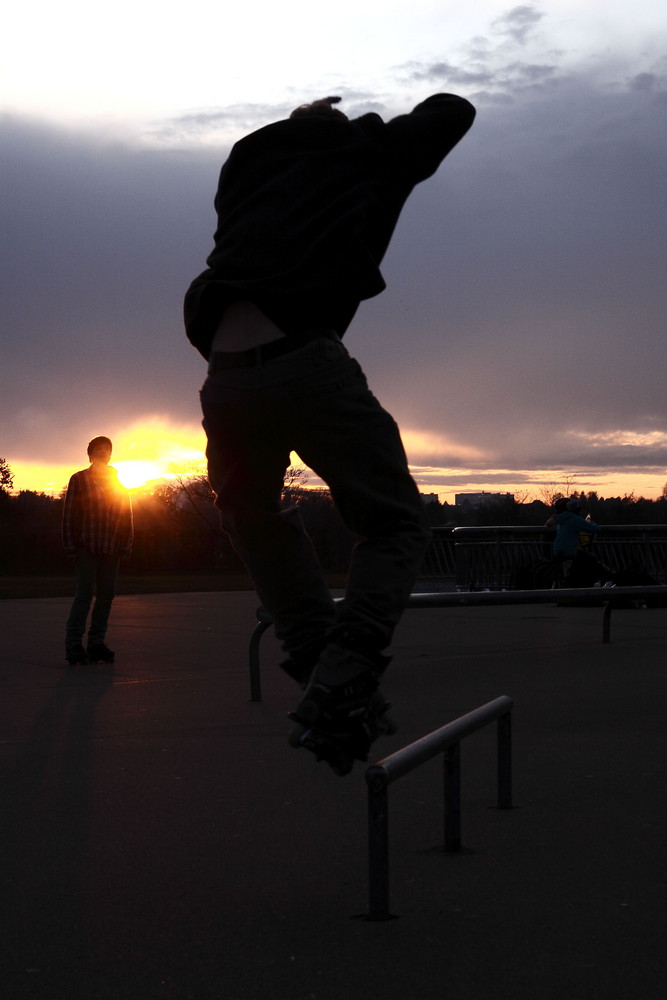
{"x":177,"y":527}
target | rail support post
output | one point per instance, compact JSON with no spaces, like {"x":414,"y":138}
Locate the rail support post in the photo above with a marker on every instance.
{"x":452,"y":797}
{"x":504,"y":757}
{"x":264,"y":621}
{"x":606,"y":621}
{"x":378,"y":849}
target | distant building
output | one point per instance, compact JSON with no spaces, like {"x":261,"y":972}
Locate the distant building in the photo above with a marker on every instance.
{"x":429,"y":497}
{"x":481,"y":499}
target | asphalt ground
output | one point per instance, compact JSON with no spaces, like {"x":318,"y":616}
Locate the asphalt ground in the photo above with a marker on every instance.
{"x":162,"y":840}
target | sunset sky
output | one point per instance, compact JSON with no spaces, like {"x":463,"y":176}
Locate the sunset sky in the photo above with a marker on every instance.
{"x":521,"y":339}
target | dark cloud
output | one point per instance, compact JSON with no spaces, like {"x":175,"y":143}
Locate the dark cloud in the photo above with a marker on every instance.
{"x":218,"y":123}
{"x":491,"y":67}
{"x":448,"y":75}
{"x":225,"y":124}
{"x":502,"y":83}
{"x":532,"y":268}
{"x":518,"y":23}
{"x":100,"y":240}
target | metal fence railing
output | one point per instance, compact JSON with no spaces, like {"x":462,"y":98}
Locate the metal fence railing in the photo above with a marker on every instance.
{"x":519,"y":557}
{"x":439,"y":561}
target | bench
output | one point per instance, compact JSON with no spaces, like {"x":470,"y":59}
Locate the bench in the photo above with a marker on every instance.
{"x":608,"y":599}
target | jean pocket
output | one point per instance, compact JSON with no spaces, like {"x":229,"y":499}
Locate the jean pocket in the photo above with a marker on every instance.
{"x":345,"y":374}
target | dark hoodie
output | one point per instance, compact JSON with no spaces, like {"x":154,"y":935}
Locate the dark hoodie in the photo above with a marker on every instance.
{"x":306,"y":209}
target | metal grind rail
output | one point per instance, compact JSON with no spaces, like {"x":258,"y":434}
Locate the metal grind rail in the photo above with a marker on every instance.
{"x":606,"y":599}
{"x":446,"y":740}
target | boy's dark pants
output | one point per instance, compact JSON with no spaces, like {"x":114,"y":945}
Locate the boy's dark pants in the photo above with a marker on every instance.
{"x":315,"y":401}
{"x":94,"y":575}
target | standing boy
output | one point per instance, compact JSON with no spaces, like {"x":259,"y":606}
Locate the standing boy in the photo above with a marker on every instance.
{"x":97,"y":529}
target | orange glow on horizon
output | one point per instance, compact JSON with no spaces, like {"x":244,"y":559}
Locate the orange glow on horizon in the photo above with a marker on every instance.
{"x":150,"y":450}
{"x":154,"y":449}
{"x":134,"y":474}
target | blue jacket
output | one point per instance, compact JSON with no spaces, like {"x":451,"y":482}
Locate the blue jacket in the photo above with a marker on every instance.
{"x":569,"y":527}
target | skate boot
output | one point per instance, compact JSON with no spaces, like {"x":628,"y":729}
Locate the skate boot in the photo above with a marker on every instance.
{"x":297,"y":671}
{"x":342,"y":712}
{"x":302,"y":661}
{"x":300,"y":667}
{"x":76,"y":656}
{"x":99,"y":653}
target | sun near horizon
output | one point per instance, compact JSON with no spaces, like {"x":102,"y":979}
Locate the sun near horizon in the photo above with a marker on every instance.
{"x":150,"y":450}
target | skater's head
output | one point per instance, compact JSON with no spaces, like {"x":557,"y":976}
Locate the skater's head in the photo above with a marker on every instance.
{"x":99,"y":449}
{"x":574,"y":506}
{"x":322,"y":108}
{"x":560,"y":504}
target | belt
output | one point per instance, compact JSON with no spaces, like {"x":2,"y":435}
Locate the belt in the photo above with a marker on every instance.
{"x":255,"y":357}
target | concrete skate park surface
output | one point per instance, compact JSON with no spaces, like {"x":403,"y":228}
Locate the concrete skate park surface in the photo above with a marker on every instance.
{"x":162,"y":840}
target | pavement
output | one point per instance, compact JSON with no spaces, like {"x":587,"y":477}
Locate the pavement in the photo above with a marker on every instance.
{"x":162,"y":840}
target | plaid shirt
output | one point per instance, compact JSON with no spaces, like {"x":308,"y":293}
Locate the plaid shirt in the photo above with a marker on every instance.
{"x":97,"y":515}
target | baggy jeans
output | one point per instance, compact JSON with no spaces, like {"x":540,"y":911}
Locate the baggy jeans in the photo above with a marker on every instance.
{"x":94,"y":575}
{"x":314,"y":401}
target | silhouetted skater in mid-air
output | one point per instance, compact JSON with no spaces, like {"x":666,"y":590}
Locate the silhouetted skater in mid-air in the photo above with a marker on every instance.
{"x":306,"y":209}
